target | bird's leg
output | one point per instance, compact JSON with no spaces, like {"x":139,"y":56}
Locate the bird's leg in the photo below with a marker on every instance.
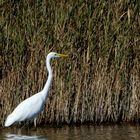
{"x":19,"y":131}
{"x":35,"y":120}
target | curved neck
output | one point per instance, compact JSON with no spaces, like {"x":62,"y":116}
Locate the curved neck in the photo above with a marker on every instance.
{"x":49,"y":80}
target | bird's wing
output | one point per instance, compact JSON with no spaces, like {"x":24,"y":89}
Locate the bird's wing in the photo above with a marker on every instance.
{"x":28,"y":109}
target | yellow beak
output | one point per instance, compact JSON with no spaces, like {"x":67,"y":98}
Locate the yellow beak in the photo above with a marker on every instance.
{"x":62,"y":55}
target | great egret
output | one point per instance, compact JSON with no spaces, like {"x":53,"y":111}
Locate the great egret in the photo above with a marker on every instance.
{"x":32,"y":106}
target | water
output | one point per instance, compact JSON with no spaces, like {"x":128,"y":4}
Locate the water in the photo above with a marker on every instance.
{"x":84,"y":132}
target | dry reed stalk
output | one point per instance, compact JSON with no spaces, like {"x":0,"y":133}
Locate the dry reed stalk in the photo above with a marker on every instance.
{"x":99,"y":82}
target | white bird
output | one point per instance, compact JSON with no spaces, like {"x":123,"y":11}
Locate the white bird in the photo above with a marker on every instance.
{"x":32,"y":106}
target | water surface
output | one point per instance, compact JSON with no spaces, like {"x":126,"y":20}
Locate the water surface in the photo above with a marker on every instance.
{"x":83,"y":132}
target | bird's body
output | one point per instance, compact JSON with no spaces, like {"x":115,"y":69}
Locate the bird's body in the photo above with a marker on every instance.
{"x":21,"y":112}
{"x":32,"y":106}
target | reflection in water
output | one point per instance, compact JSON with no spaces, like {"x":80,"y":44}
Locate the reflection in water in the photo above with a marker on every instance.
{"x":22,"y":137}
{"x":21,"y":134}
{"x":83,"y":132}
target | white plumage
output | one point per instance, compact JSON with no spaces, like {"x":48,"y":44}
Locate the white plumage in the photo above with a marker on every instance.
{"x":32,"y":106}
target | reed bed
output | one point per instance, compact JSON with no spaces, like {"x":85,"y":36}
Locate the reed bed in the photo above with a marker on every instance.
{"x":99,"y":81}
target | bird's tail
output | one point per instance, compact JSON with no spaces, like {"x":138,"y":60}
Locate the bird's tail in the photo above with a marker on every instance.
{"x":9,"y":121}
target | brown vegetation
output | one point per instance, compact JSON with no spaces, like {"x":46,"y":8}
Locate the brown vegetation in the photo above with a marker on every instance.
{"x":99,"y":82}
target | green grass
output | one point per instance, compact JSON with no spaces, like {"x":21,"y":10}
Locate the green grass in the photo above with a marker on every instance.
{"x":99,"y":82}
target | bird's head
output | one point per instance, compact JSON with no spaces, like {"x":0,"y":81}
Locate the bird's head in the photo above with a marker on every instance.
{"x":55,"y":55}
